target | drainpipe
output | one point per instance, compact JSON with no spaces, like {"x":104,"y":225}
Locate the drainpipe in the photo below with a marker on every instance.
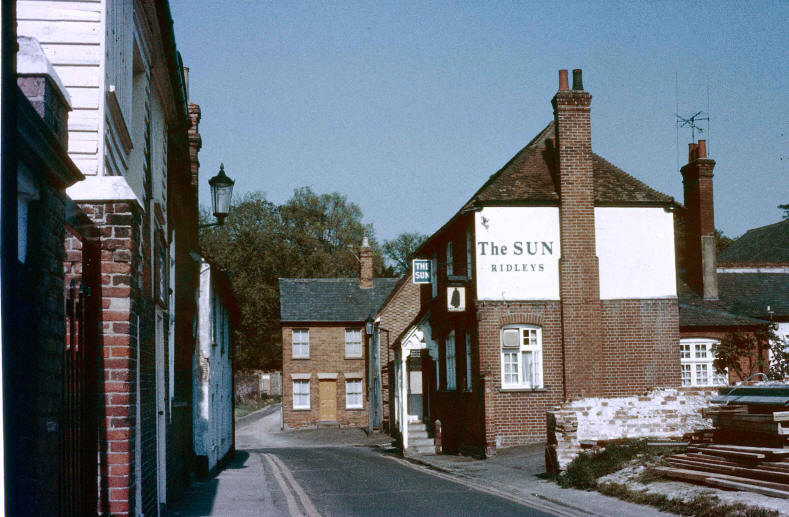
{"x":404,"y":369}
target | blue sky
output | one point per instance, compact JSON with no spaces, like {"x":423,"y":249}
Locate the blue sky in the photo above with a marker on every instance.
{"x":408,"y":107}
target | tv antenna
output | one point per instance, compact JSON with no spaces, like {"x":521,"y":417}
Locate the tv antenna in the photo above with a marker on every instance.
{"x":691,"y":123}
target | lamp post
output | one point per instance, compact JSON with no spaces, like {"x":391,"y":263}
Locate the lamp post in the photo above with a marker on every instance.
{"x":221,"y":195}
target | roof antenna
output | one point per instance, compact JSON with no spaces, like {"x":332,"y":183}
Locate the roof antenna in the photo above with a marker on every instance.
{"x":691,"y":123}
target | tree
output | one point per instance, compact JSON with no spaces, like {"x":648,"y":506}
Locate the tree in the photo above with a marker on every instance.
{"x":785,"y":209}
{"x":744,"y":353}
{"x":309,"y":236}
{"x":721,"y":241}
{"x":400,"y":249}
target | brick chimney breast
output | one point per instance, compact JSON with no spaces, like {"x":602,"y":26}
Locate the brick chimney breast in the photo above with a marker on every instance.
{"x":579,"y":277}
{"x":700,"y":256}
{"x":366,"y":264}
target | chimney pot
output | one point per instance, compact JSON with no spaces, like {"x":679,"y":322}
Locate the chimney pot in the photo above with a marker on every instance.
{"x":578,"y":83}
{"x":563,"y":84}
{"x":691,"y":152}
{"x":701,"y":149}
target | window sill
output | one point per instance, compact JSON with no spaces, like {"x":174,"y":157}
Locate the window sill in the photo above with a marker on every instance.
{"x":354,"y":409}
{"x":524,"y":389}
{"x":353,"y":357}
{"x":301,"y":409}
{"x":300,"y":358}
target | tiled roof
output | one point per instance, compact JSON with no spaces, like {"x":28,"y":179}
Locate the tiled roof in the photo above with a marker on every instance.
{"x":532,"y":176}
{"x":695,"y":311}
{"x":751,"y":293}
{"x":331,"y":299}
{"x":765,"y":245}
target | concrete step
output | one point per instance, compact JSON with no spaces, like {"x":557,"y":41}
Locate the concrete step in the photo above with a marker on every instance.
{"x":417,"y":434}
{"x":419,"y":442}
{"x":422,"y":449}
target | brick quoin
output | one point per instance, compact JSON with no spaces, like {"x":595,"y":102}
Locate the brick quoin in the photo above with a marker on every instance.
{"x":119,"y":225}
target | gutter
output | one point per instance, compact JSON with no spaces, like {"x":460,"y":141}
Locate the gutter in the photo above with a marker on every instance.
{"x":174,"y":61}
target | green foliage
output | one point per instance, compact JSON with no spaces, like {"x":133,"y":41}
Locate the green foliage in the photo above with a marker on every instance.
{"x":400,"y":249}
{"x":309,"y":236}
{"x":703,"y":505}
{"x":785,"y":209}
{"x":745,"y":354}
{"x":584,"y":471}
{"x":721,"y":241}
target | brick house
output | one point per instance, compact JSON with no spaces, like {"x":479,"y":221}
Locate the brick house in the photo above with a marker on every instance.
{"x":45,"y":461}
{"x":555,"y":281}
{"x":326,"y":372}
{"x":128,"y":135}
{"x":749,"y":289}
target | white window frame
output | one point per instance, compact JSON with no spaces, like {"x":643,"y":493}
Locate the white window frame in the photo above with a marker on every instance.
{"x":348,"y":383}
{"x":450,"y":361}
{"x":696,"y":359}
{"x":301,"y":382}
{"x":468,"y":361}
{"x":350,"y":341}
{"x":529,"y":342}
{"x":294,"y":343}
{"x":450,"y":259}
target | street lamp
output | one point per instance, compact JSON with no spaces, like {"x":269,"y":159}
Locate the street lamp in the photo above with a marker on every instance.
{"x":369,"y":325}
{"x":221,"y":195}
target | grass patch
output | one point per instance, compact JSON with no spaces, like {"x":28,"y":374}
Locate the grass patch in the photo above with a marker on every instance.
{"x":250,"y":404}
{"x":704,"y":505}
{"x":584,"y":471}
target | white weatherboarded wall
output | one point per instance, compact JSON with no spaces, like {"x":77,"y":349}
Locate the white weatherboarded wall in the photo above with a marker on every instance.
{"x":517,"y":253}
{"x":71,"y":34}
{"x":212,"y":389}
{"x":635,"y":248}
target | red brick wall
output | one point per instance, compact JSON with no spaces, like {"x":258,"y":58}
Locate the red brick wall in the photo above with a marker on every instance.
{"x":699,"y":216}
{"x":327,"y":355}
{"x":641,"y":345}
{"x":119,"y":226}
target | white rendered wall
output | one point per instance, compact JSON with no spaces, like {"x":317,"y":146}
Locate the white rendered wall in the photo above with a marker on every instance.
{"x":635,"y":248}
{"x":517,"y":253}
{"x":212,"y":388}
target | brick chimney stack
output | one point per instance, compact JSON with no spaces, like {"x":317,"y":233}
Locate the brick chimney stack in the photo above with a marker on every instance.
{"x":700,"y":255}
{"x":195,"y":142}
{"x":366,"y":266}
{"x":579,"y":276}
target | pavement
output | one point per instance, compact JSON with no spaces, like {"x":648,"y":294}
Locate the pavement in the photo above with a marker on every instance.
{"x":332,"y":471}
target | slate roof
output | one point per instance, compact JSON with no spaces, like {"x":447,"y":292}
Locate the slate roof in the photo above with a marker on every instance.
{"x":695,"y":311}
{"x":751,"y":293}
{"x":331,"y":299}
{"x":532,"y":176}
{"x":766,"y":245}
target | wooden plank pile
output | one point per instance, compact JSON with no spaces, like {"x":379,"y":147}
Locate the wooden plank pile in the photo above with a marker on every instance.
{"x":725,"y":457}
{"x":735,"y":467}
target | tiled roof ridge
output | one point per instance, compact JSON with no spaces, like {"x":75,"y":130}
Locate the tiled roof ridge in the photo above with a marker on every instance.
{"x":782,"y":221}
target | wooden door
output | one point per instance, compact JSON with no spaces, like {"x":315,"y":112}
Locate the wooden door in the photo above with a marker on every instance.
{"x":327,"y":396}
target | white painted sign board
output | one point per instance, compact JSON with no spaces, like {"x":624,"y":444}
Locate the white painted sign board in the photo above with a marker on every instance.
{"x":517,"y":253}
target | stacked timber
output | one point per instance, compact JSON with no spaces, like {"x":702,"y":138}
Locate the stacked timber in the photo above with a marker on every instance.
{"x":734,"y":467}
{"x":734,"y":425}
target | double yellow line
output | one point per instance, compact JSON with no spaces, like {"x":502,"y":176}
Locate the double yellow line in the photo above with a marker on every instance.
{"x":281,"y":474}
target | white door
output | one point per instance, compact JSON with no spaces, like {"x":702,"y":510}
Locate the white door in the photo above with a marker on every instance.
{"x":161,"y":416}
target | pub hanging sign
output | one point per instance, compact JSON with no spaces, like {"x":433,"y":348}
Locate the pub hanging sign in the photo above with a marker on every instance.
{"x":423,"y":271}
{"x":456,"y":299}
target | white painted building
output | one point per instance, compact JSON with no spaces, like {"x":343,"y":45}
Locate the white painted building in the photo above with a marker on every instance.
{"x":212,"y":365}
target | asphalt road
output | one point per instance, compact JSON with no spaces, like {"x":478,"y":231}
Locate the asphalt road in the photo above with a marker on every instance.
{"x":294,"y":474}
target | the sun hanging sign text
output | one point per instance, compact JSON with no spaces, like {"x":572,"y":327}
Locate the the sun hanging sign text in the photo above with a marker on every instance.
{"x":517,"y":252}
